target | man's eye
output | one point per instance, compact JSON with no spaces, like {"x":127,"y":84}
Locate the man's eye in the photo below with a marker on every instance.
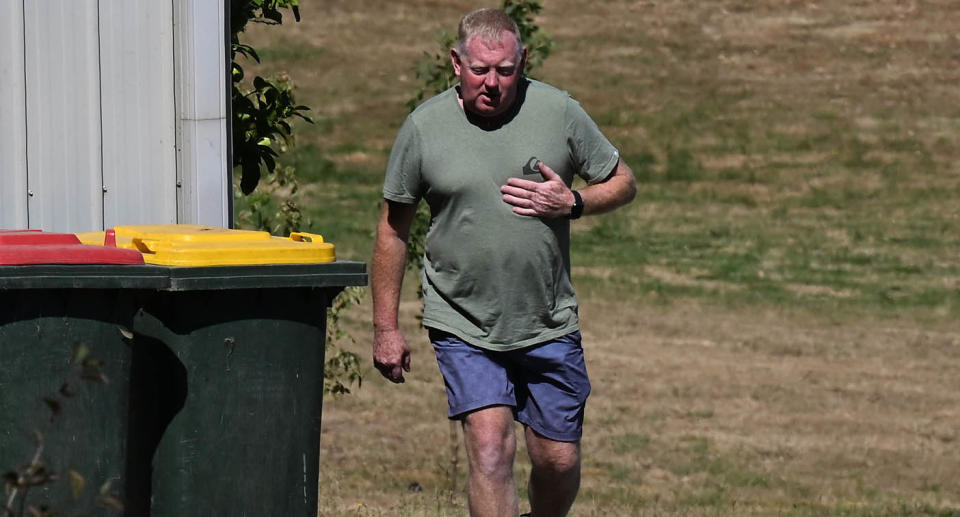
{"x":506,"y":72}
{"x":479,"y":71}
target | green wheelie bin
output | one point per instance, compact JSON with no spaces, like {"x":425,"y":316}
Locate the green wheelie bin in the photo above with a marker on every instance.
{"x":229,"y":394}
{"x":56,"y":297}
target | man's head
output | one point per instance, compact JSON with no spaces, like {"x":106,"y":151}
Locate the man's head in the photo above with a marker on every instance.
{"x":488,"y":58}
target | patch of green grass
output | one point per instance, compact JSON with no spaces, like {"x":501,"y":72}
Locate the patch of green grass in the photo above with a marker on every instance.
{"x":314,"y":165}
{"x":631,"y":443}
{"x":614,"y":495}
{"x":283,"y":53}
{"x":681,"y":165}
{"x":642,"y":163}
{"x":746,"y":479}
{"x":704,"y":497}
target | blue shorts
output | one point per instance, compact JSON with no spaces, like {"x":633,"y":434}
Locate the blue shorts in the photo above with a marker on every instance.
{"x":545,"y":384}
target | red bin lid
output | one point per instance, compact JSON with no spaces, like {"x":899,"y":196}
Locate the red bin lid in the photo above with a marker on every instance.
{"x":29,"y":247}
{"x":33,"y":238}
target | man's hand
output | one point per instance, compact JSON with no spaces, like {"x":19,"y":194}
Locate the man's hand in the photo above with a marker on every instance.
{"x":549,"y":199}
{"x":391,"y":354}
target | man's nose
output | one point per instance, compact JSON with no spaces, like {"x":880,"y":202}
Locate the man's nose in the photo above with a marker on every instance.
{"x":491,"y":80}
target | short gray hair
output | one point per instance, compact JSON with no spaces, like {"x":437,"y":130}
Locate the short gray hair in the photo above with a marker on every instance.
{"x":487,"y":24}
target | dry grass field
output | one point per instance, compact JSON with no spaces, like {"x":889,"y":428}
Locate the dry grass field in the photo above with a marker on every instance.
{"x":771,"y":328}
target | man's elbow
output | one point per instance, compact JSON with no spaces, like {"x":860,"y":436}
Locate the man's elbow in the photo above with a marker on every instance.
{"x":629,"y":191}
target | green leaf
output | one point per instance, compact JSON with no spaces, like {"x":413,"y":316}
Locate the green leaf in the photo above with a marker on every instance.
{"x":80,"y":352}
{"x":77,"y":483}
{"x":91,"y":370}
{"x":111,"y":502}
{"x":250,"y":176}
{"x":105,"y":487}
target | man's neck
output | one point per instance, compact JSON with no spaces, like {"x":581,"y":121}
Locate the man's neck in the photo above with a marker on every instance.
{"x":490,"y":123}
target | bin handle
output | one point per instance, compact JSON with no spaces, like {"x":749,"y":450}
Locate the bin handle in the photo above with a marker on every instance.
{"x":144,"y":246}
{"x":306,"y":237}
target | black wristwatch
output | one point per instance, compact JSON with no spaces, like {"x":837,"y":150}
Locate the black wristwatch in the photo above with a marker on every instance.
{"x":577,"y":210}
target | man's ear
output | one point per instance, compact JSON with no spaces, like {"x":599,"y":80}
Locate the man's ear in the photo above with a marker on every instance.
{"x":455,"y":61}
{"x":523,"y":60}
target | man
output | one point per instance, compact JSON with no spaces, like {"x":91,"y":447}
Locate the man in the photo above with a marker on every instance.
{"x":494,"y":158}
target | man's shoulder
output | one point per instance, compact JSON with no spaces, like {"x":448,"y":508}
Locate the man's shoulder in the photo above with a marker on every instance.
{"x":546,"y":92}
{"x":535,"y":87}
{"x":546,"y":97}
{"x":438,"y":105}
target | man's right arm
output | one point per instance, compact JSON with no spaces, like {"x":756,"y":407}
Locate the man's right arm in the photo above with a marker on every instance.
{"x":391,"y":353}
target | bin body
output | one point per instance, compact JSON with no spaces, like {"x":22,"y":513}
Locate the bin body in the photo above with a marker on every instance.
{"x":38,"y":328}
{"x":245,"y":439}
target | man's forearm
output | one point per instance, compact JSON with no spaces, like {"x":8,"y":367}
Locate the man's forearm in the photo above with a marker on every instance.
{"x":388,"y":265}
{"x":386,"y":275}
{"x":617,"y":190}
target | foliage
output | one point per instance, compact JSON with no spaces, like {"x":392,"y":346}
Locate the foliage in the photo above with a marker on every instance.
{"x":19,"y":482}
{"x":261,"y":112}
{"x":539,"y":45}
{"x":260,"y":209}
{"x":437,"y":75}
{"x":342,"y":366}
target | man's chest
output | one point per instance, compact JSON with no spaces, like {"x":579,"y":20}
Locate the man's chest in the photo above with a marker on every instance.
{"x":475,"y":166}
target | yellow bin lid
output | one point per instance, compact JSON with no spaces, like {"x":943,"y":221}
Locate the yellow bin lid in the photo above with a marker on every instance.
{"x":193,"y":233}
{"x":197,"y":245}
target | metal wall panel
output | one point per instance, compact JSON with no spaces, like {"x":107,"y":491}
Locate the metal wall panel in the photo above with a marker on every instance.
{"x":13,"y":119}
{"x":114,"y":112}
{"x":63,"y":114}
{"x":138,"y":112}
{"x":201,"y":64}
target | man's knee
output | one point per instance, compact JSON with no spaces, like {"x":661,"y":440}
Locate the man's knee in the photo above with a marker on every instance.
{"x":491,"y":443}
{"x":560,"y":464}
{"x":553,"y":457}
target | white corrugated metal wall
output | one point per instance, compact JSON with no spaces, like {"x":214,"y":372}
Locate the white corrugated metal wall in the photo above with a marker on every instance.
{"x":90,"y":115}
{"x":13,"y":135}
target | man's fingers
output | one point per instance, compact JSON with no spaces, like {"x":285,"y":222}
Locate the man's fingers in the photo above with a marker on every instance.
{"x":521,"y":184}
{"x":508,"y":190}
{"x":525,"y":211}
{"x":391,"y":373}
{"x":391,"y":355}
{"x":517,"y":201}
{"x":537,"y":199}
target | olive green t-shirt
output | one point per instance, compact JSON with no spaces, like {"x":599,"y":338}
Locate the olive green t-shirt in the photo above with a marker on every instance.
{"x":495,"y":279}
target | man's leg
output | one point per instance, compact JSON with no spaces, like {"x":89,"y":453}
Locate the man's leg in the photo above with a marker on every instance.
{"x":555,"y":477}
{"x":491,"y":447}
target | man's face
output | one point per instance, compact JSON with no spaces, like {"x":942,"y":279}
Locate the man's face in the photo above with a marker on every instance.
{"x":489,"y":74}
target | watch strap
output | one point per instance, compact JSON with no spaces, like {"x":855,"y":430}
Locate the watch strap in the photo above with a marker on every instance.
{"x":577,"y":210}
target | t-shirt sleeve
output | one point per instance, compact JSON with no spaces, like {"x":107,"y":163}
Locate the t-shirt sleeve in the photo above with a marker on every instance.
{"x":402,"y":181}
{"x":594,"y":155}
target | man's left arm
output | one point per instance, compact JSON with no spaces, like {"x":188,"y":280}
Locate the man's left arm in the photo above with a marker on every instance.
{"x":552,"y":197}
